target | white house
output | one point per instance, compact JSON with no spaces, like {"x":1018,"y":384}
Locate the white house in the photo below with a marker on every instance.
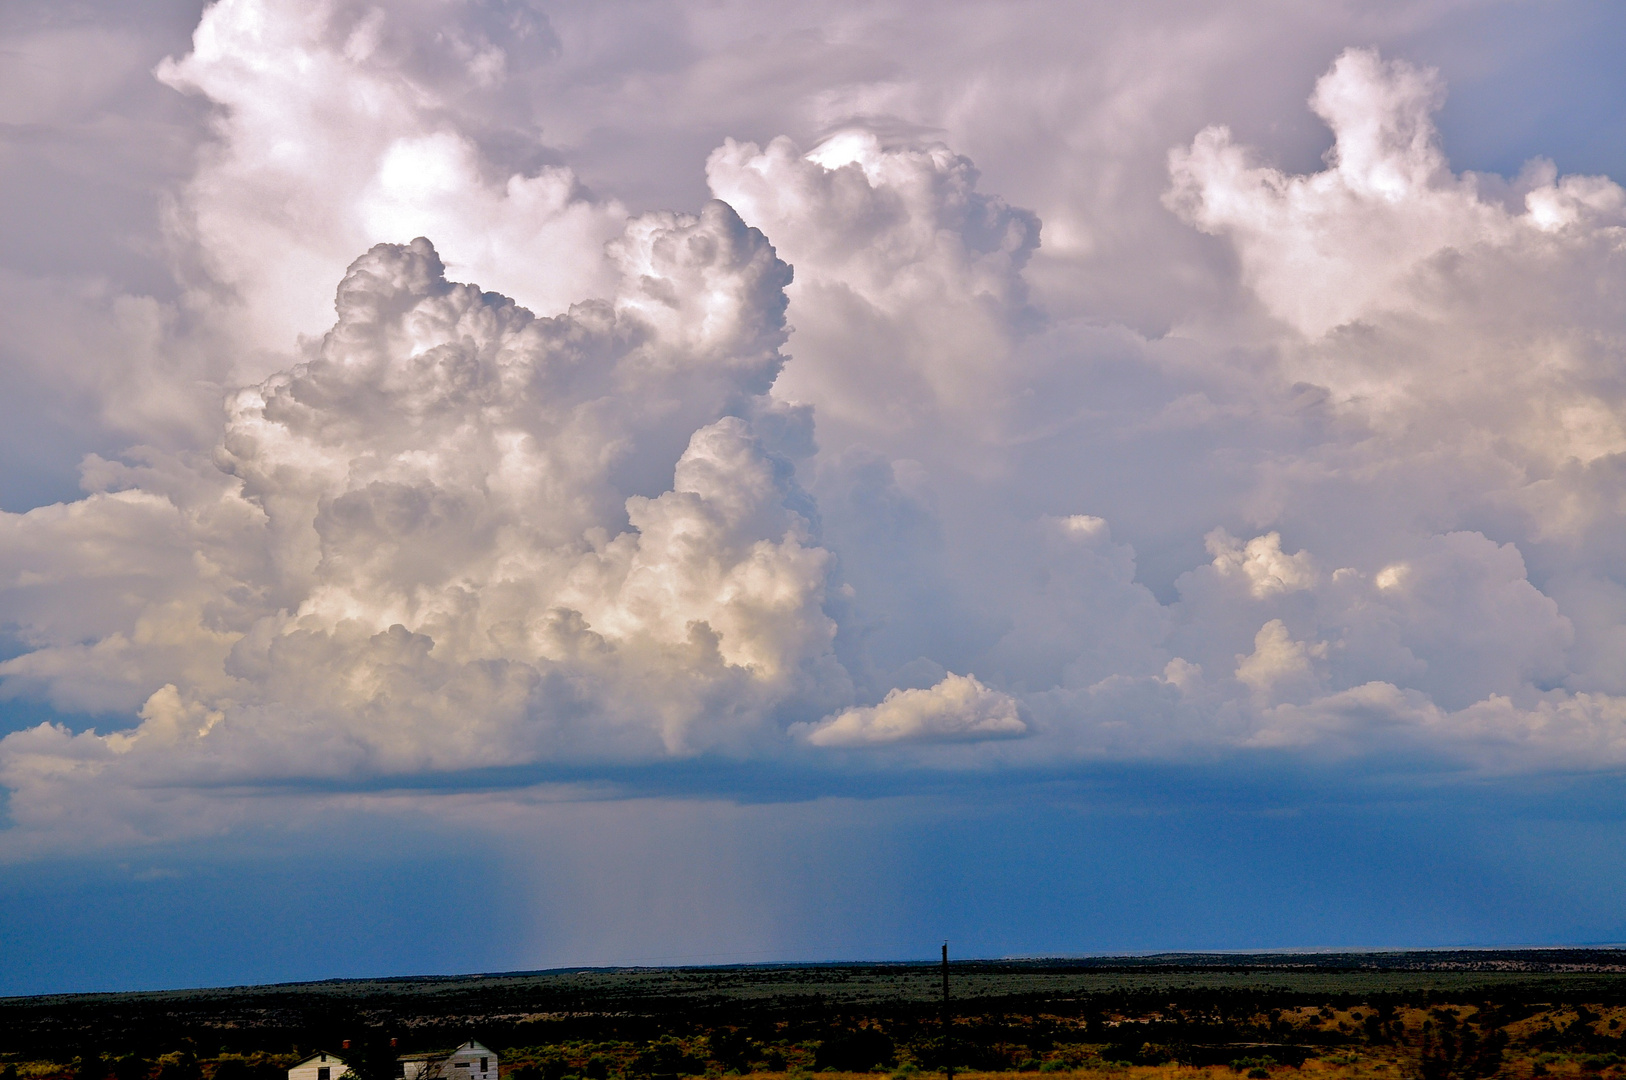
{"x":319,"y":1066}
{"x":471,"y":1061}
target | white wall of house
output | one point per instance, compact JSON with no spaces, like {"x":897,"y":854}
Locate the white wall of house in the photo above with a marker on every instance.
{"x":471,"y":1061}
{"x":319,"y":1066}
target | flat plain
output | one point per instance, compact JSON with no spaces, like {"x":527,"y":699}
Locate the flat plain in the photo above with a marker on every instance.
{"x":1439,"y":1015}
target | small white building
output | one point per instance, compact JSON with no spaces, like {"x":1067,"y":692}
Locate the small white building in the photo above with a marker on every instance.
{"x":471,"y":1061}
{"x":319,"y":1066}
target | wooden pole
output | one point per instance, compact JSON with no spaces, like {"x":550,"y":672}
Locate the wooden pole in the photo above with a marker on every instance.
{"x":948,"y":1060}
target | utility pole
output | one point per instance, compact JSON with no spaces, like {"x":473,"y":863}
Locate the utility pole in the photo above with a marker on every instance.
{"x":948,"y":1058}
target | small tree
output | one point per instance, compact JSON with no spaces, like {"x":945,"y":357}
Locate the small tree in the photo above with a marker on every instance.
{"x":860,"y":1050}
{"x":181,"y":1065}
{"x":369,"y":1057}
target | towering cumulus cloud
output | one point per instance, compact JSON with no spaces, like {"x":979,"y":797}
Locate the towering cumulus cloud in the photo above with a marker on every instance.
{"x":458,"y":535}
{"x":899,"y":256}
{"x":1382,"y":496}
{"x":341,"y":123}
{"x":1420,"y":289}
{"x":1464,"y":333}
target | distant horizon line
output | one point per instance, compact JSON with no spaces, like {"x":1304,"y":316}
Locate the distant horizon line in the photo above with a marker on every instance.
{"x":1028,"y":958}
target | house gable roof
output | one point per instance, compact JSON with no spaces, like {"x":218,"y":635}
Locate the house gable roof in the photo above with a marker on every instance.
{"x":472,"y":1046}
{"x":317,"y":1059}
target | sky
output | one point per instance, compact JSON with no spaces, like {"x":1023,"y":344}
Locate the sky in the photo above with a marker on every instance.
{"x":506,"y":485}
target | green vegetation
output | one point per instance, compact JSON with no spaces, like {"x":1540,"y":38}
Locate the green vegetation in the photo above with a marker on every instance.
{"x":1398,"y":1016}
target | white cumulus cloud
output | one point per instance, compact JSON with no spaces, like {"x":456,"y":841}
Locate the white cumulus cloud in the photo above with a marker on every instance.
{"x":957,"y":709}
{"x":340,"y":125}
{"x":429,"y":546}
{"x":707,"y":483}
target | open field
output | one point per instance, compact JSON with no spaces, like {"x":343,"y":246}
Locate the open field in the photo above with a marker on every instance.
{"x":1408,"y":1016}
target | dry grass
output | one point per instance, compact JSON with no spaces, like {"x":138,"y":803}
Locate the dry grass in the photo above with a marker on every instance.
{"x":1375,"y":1065}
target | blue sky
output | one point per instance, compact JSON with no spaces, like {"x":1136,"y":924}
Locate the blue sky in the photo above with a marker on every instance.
{"x":1135,"y":861}
{"x":1065,"y":481}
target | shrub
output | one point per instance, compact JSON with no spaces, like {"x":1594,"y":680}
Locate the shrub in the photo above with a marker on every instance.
{"x":855,"y":1051}
{"x":667,"y":1056}
{"x":1253,"y":1064}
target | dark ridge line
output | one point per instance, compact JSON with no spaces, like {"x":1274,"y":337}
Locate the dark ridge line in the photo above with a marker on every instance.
{"x":1540,"y":960}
